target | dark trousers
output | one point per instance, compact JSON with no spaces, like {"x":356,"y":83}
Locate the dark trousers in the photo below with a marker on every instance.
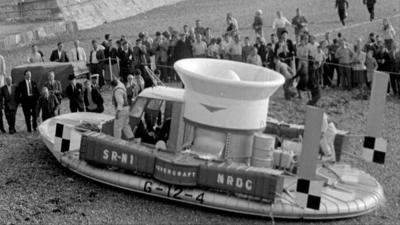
{"x":76,"y":107}
{"x":46,"y":116}
{"x":342,"y":15}
{"x":315,"y":96}
{"x":395,"y":83}
{"x":10,"y":116}
{"x":286,"y":89}
{"x":97,"y":69}
{"x":124,"y":71}
{"x":371,"y":10}
{"x":29,"y":110}
{"x":328,"y":74}
{"x":344,"y":75}
{"x":1,"y":120}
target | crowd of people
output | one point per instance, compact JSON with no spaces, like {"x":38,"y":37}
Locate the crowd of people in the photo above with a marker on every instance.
{"x":306,"y":63}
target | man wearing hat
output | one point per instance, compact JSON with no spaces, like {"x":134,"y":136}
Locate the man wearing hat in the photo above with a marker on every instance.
{"x":75,"y":95}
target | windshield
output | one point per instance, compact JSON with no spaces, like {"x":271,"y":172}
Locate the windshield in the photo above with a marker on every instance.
{"x":138,"y":107}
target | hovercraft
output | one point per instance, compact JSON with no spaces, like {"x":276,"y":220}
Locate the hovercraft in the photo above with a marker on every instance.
{"x":212,"y":145}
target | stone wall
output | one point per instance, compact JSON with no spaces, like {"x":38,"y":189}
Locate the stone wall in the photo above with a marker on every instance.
{"x":32,"y":10}
{"x":87,"y":13}
{"x":39,"y":33}
{"x":92,"y":13}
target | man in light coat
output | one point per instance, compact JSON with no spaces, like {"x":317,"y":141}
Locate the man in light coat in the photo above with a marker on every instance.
{"x":120,"y":102}
{"x":78,"y":53}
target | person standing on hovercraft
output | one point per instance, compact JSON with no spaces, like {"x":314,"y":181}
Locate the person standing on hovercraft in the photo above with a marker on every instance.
{"x":120,"y":102}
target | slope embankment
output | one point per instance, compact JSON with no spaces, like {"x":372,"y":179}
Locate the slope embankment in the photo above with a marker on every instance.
{"x":67,"y":16}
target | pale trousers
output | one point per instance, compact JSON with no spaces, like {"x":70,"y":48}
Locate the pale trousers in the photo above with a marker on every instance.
{"x":121,"y":124}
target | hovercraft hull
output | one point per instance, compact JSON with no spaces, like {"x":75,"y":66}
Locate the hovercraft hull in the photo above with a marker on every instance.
{"x":342,"y":201}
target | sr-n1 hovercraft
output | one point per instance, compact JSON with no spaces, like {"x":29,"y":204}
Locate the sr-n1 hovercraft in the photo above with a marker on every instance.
{"x":212,"y":145}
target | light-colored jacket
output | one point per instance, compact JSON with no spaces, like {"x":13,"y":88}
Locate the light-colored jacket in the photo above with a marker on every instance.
{"x":120,"y":99}
{"x":78,"y":51}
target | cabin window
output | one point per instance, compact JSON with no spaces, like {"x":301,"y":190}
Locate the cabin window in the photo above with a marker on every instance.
{"x":138,"y":107}
{"x":151,"y":123}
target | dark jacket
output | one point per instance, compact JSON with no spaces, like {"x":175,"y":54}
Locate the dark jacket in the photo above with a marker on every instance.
{"x":125,"y":58}
{"x":342,"y":4}
{"x":183,"y":50}
{"x":75,"y":96}
{"x":369,"y":2}
{"x":8,"y":102}
{"x":48,"y":106}
{"x":54,"y":57}
{"x":55,"y":88}
{"x":96,"y":98}
{"x":22,"y":93}
{"x":262,"y":51}
{"x":382,"y":58}
{"x":99,"y":56}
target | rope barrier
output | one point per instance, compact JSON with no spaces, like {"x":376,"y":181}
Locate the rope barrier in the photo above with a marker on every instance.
{"x":288,"y":58}
{"x":337,"y":64}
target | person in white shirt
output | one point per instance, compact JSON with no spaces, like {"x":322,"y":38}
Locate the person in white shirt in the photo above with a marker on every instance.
{"x":312,"y":47}
{"x":280,"y":23}
{"x":235,"y":49}
{"x":35,"y":56}
{"x":2,"y":71}
{"x":320,"y":58}
{"x":225,"y":42}
{"x":78,"y":53}
{"x":199,"y":47}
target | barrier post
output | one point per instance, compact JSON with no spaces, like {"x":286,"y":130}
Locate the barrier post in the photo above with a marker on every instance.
{"x":110,"y":67}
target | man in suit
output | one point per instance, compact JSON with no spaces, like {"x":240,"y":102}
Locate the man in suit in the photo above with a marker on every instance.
{"x":96,"y":61}
{"x":126,"y":57}
{"x":8,"y":100}
{"x":54,"y":87}
{"x":47,"y":104}
{"x":78,"y":53}
{"x":59,"y":55}
{"x":75,"y":95}
{"x":28,"y":95}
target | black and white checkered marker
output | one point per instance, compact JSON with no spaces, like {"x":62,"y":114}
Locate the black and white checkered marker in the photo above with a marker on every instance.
{"x":374,"y":149}
{"x":308,"y":193}
{"x":62,"y":139}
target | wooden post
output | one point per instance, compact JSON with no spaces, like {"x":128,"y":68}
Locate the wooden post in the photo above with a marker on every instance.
{"x":110,"y":67}
{"x":312,"y":136}
{"x":377,"y":102}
